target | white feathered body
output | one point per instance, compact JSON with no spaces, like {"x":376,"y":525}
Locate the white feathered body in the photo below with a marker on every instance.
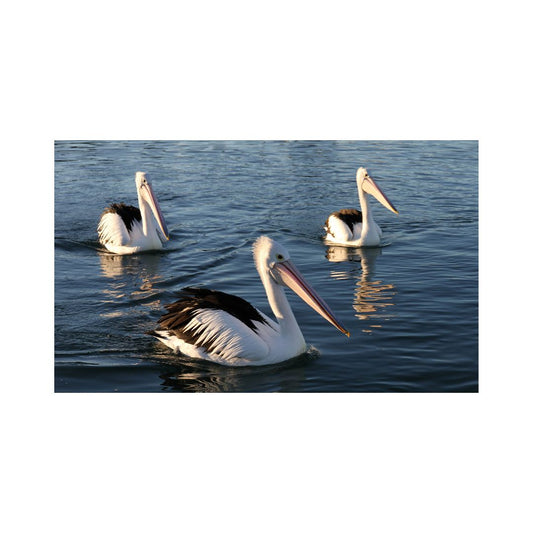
{"x":117,"y":238}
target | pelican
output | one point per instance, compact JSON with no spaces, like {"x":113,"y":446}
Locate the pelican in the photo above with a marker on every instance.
{"x":351,"y":227}
{"x":226,"y":329}
{"x":125,"y":229}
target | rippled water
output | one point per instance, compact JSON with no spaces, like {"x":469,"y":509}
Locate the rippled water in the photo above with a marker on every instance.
{"x":411,"y":306}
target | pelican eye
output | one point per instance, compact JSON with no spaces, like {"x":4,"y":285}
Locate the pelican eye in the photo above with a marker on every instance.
{"x":279,"y":257}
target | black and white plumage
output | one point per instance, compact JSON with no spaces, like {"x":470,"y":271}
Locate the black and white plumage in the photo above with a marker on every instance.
{"x":350,"y":227}
{"x":225,"y":329}
{"x":125,"y":229}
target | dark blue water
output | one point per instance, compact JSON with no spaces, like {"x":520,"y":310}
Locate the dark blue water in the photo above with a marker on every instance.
{"x":411,"y":306}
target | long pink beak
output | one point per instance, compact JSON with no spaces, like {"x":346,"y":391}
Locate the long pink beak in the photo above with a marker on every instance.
{"x":370,"y":186}
{"x":291,"y":277}
{"x":156,"y":210}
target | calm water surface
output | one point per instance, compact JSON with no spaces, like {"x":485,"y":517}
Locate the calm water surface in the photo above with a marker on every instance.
{"x":411,"y":306}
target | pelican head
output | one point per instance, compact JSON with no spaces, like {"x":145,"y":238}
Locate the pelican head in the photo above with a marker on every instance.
{"x":366,"y":184}
{"x":273,"y":260}
{"x":146,"y":195}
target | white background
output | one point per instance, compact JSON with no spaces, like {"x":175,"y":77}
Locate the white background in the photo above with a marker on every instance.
{"x":276,"y":70}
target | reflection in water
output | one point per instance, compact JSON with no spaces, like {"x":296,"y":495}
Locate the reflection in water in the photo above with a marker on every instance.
{"x":371,"y":297}
{"x":115,"y":266}
{"x":202,"y":376}
{"x":131,"y":277}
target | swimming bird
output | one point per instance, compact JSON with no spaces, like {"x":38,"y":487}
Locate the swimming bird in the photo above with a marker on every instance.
{"x":125,"y":229}
{"x":351,"y":227}
{"x":226,"y":329}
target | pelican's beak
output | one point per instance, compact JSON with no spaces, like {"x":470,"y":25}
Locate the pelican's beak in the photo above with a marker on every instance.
{"x":291,"y":277}
{"x":369,"y":186}
{"x":156,"y":210}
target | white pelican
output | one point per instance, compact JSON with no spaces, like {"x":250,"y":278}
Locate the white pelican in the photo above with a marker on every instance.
{"x":351,"y":227}
{"x":125,"y":229}
{"x":226,"y":329}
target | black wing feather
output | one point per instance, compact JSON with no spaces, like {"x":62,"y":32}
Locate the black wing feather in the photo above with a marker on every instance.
{"x":350,"y":217}
{"x":128,"y":213}
{"x":193,"y":300}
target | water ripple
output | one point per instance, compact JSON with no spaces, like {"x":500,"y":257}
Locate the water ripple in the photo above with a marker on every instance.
{"x":411,"y":306}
